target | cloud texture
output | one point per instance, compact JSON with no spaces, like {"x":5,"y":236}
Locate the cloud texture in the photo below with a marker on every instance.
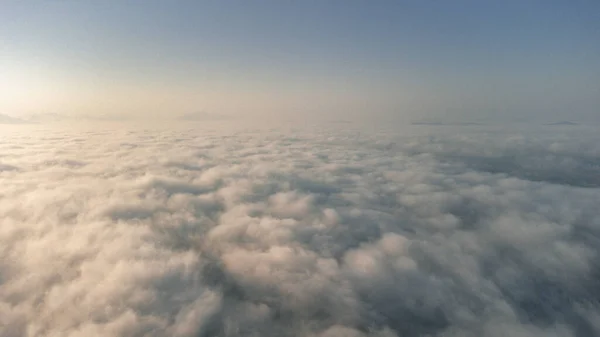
{"x":299,"y":232}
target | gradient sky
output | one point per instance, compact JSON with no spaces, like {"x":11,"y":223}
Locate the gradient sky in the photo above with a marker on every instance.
{"x":514,"y":59}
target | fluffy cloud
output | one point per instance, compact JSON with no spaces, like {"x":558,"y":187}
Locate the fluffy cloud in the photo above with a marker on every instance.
{"x":299,"y":232}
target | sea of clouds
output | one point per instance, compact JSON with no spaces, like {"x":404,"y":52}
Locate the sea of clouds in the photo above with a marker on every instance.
{"x":331,"y":231}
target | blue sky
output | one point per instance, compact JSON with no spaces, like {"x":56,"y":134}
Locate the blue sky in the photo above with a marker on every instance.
{"x":341,"y":59}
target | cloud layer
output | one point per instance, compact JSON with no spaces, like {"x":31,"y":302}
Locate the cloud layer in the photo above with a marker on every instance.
{"x":299,"y":232}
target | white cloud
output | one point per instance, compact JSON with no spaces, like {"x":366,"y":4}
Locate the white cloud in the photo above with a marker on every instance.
{"x":303,"y":232}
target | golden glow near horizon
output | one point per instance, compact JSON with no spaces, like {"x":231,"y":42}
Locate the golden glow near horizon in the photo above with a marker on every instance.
{"x":41,"y":88}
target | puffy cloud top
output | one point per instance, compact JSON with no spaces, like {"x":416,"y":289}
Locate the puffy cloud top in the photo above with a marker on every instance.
{"x":300,"y":232}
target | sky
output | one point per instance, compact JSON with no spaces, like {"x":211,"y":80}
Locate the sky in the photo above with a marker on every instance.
{"x":404,"y":60}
